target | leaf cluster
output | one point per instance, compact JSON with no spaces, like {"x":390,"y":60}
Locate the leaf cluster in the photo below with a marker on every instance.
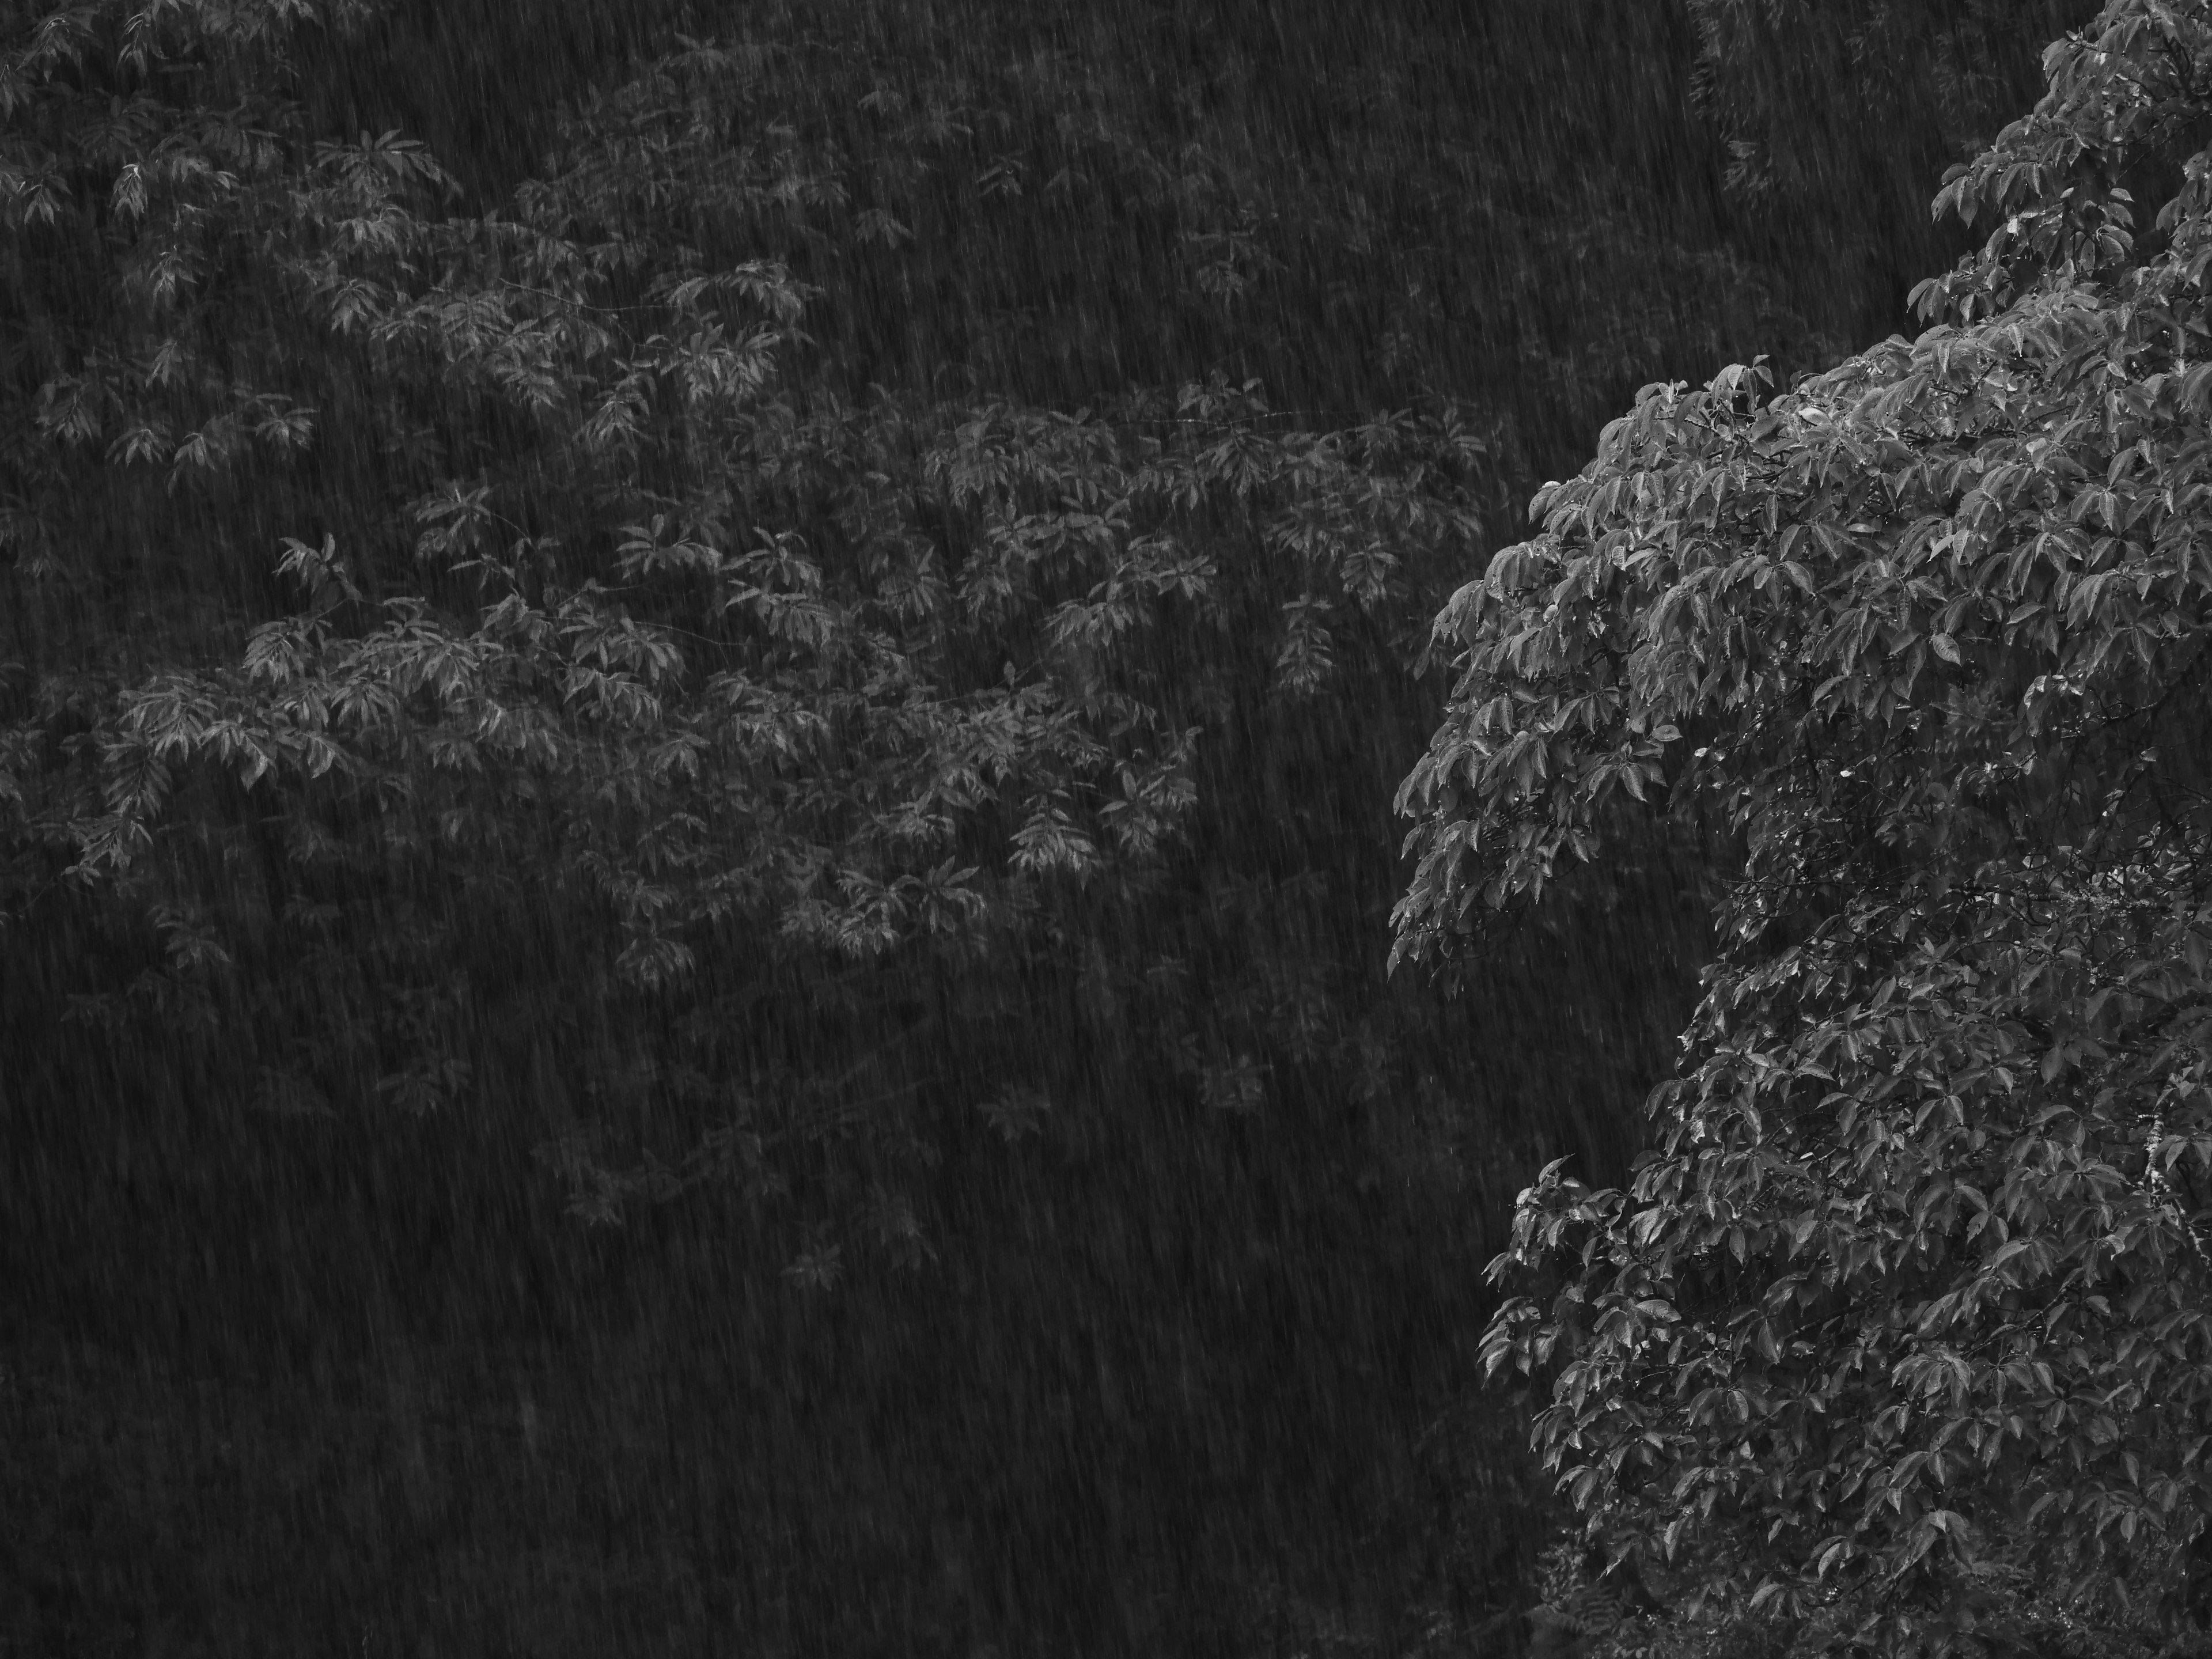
{"x":602,"y":604}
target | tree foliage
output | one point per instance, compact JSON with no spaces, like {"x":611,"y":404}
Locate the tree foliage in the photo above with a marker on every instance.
{"x":607,"y":606}
{"x":1910,"y":1306}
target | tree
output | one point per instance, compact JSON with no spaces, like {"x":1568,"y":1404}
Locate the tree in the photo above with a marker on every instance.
{"x":1909,"y":1309}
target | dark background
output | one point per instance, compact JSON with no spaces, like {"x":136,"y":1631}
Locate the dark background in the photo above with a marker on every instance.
{"x":1173,"y":1381}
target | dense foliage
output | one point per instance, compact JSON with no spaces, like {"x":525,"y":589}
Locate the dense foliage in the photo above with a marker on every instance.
{"x":1906,"y":1324}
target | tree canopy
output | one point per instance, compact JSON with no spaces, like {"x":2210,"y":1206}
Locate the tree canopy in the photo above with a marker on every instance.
{"x":1904,"y":1324}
